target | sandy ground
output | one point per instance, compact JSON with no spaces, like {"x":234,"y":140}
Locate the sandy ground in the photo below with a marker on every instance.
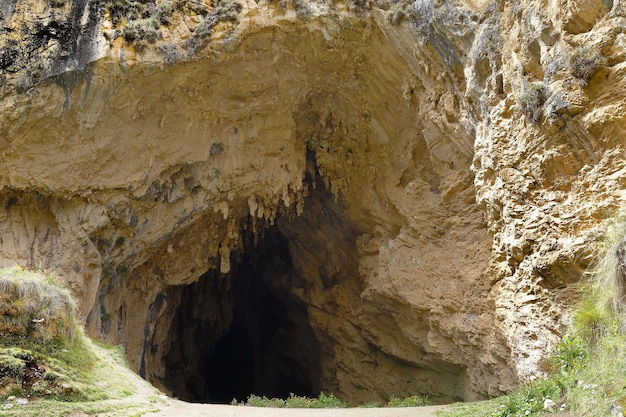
{"x":179,"y":408}
{"x":148,"y":397}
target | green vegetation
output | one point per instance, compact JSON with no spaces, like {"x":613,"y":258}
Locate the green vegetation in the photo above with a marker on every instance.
{"x":413,"y":401}
{"x":296,"y":401}
{"x":33,"y":306}
{"x":584,"y":62}
{"x":256,"y":401}
{"x":46,"y":358}
{"x":327,"y":401}
{"x":139,"y":21}
{"x":323,"y":401}
{"x":588,"y":368}
{"x":141,"y":32}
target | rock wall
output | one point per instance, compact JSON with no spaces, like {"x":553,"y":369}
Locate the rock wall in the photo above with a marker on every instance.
{"x":440,"y":172}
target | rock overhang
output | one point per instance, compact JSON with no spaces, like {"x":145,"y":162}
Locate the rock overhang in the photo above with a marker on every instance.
{"x":145,"y":174}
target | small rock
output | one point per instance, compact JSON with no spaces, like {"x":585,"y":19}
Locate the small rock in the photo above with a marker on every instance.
{"x":587,"y":387}
{"x":21,"y":401}
{"x":617,"y":411}
{"x":549,"y":405}
{"x":11,"y":398}
{"x":8,"y":405}
{"x":65,"y":386}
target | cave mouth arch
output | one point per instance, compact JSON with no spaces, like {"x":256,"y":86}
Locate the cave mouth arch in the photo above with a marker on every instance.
{"x":243,"y":333}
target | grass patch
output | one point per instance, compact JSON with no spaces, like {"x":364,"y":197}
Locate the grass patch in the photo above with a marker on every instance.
{"x":46,"y":358}
{"x":256,"y":401}
{"x":588,"y":368}
{"x":328,"y":401}
{"x":584,"y":62}
{"x":323,"y":401}
{"x":295,"y":401}
{"x":32,"y":305}
{"x":413,"y":401}
{"x":54,"y":408}
{"x":531,"y":101}
{"x":139,"y":22}
{"x":585,"y":382}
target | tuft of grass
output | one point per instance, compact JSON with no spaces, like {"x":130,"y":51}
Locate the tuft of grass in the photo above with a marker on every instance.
{"x":225,"y":11}
{"x":139,"y":21}
{"x":256,"y":401}
{"x":608,"y":285}
{"x":12,"y":365}
{"x":588,"y":368}
{"x":592,"y":319}
{"x":323,"y":401}
{"x":120,"y":10}
{"x":296,"y":401}
{"x":33,"y":305}
{"x":58,"y":369}
{"x":530,"y":398}
{"x":141,"y":32}
{"x":412,"y":401}
{"x":328,"y":401}
{"x":584,"y":62}
{"x":531,"y":101}
{"x":171,"y":53}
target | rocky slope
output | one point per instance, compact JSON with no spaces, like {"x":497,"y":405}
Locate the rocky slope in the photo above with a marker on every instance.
{"x":373,"y":199}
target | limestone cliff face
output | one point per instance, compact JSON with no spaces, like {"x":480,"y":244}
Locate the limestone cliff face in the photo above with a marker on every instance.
{"x":423,"y":183}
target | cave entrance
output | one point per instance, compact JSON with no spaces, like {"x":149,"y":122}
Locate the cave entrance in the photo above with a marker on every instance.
{"x":244,"y":332}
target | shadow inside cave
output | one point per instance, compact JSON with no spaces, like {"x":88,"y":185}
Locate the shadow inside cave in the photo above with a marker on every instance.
{"x":244,"y":332}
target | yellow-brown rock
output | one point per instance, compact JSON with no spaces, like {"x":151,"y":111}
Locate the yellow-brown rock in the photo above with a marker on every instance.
{"x":385,"y":181}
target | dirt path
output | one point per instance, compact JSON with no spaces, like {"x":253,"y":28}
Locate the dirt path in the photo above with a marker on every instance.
{"x":147,"y":397}
{"x":176,"y":408}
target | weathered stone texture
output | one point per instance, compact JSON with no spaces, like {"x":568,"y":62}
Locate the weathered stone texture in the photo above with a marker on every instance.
{"x":468,"y":226}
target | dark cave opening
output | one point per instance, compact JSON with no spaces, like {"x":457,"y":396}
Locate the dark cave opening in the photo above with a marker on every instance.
{"x":244,"y":332}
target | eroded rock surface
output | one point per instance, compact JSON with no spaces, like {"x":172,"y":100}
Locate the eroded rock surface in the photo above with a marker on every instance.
{"x":422,"y":185}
